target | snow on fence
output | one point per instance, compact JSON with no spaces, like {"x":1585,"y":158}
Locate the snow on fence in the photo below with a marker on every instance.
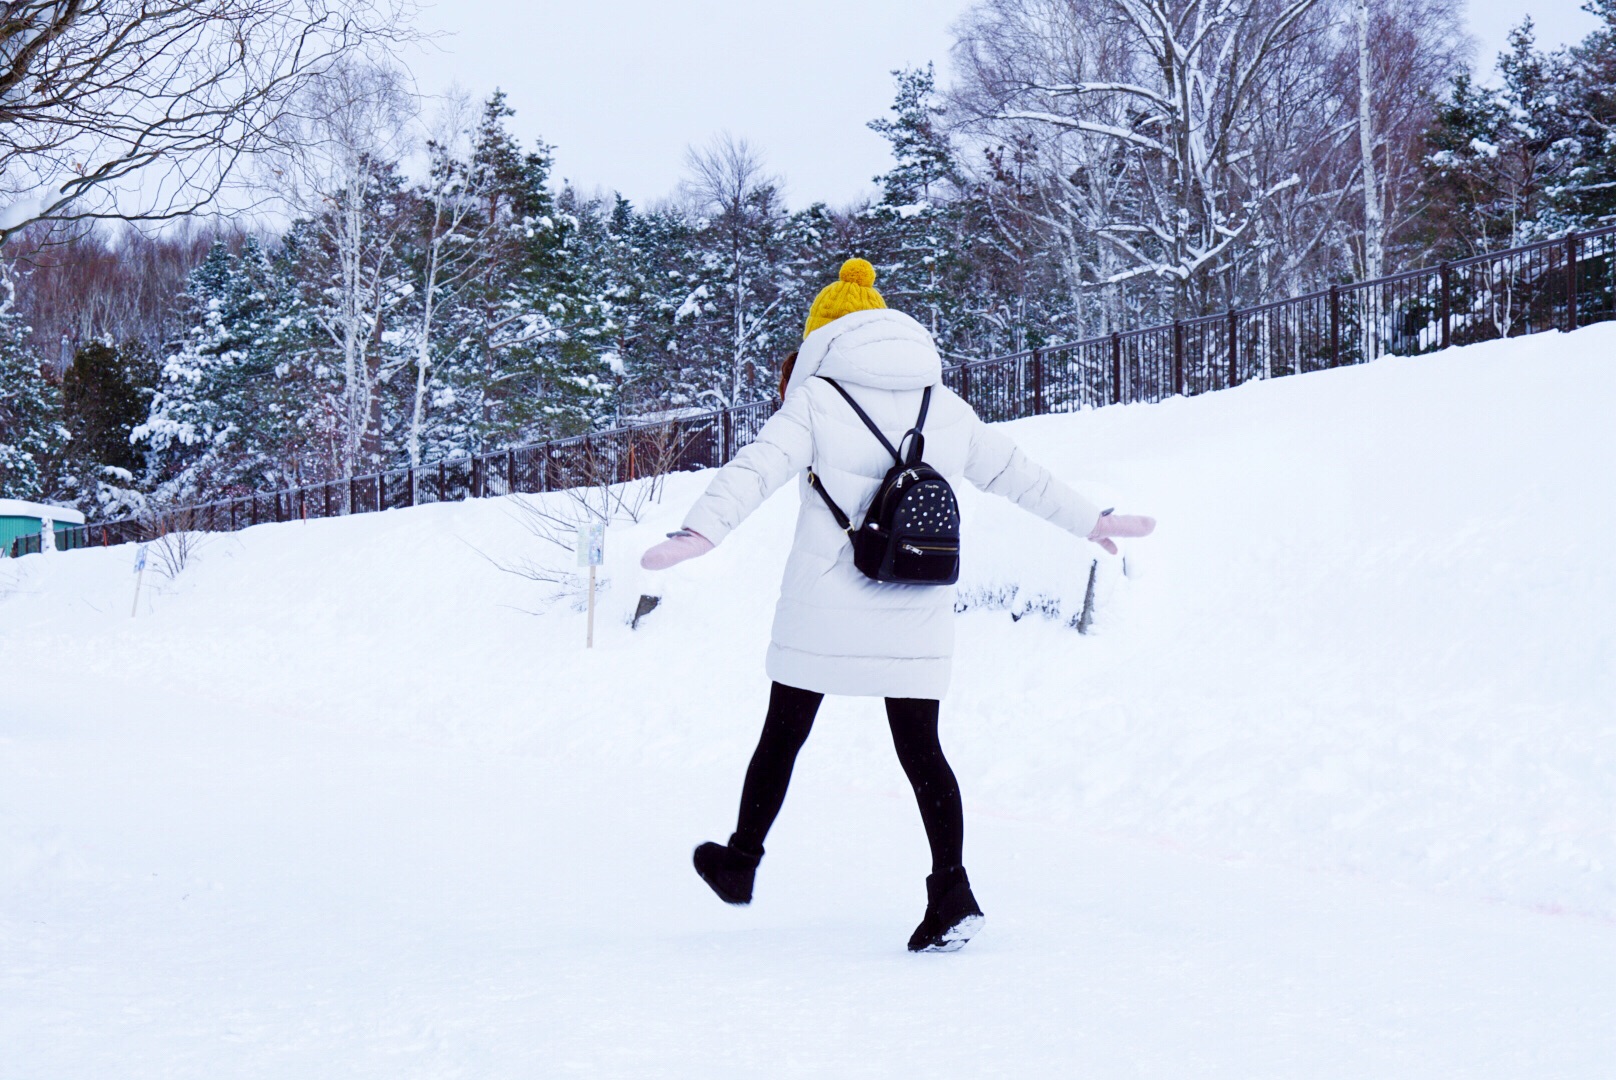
{"x":1556,"y":284}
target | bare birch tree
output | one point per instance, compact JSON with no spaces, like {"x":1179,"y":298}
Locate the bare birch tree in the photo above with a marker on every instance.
{"x":144,"y":111}
{"x":337,"y":170}
{"x":730,"y":186}
{"x":1082,"y":177}
{"x":457,"y":235}
{"x":1374,"y":210}
{"x":1175,"y":94}
{"x":1232,"y":150}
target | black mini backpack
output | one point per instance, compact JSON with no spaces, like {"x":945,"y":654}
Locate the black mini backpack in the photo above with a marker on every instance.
{"x":911,"y":534}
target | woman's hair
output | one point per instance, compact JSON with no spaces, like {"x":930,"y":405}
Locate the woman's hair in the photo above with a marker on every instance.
{"x":785,"y":372}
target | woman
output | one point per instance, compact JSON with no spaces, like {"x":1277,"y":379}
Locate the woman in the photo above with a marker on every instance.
{"x":837,"y":631}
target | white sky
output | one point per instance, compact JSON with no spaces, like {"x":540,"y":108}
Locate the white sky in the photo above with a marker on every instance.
{"x":621,"y":87}
{"x":1559,"y":22}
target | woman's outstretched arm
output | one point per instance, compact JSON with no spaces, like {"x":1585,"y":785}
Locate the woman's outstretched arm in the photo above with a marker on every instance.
{"x":996,"y":465}
{"x":783,"y":448}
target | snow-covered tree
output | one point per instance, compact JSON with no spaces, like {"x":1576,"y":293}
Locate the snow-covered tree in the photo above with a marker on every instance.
{"x":1497,"y":154}
{"x":910,"y":231}
{"x":520,"y":361}
{"x":1586,"y":196}
{"x":1165,"y":93}
{"x":449,"y":246}
{"x":736,"y":310}
{"x":342,"y":178}
{"x":32,"y":434}
{"x":651,"y":266}
{"x":233,"y":408}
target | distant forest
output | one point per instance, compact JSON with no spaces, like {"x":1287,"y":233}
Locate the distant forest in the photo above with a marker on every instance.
{"x":1096,"y":165}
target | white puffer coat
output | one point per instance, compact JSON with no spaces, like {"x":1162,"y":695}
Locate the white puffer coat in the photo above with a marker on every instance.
{"x":835,"y":630}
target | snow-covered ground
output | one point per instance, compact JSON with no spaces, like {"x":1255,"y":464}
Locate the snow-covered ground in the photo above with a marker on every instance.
{"x":1329,"y":791}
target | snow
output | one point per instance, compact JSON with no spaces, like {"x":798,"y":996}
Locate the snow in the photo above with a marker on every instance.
{"x":1329,"y":790}
{"x":23,"y":210}
{"x":65,"y":515}
{"x":691,"y":306}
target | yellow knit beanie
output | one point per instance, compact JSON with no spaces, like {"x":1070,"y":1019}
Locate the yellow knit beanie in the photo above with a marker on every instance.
{"x":854,"y":292}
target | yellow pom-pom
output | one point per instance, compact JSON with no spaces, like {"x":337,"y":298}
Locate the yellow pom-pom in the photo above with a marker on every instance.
{"x":858,"y":272}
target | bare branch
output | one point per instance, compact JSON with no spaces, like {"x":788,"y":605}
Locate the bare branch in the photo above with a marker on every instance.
{"x":145,"y":111}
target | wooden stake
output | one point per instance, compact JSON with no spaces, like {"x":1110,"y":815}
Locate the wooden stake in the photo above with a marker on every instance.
{"x":590,"y":642}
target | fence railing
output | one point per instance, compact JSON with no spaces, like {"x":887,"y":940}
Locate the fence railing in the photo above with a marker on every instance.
{"x":1558,"y":284}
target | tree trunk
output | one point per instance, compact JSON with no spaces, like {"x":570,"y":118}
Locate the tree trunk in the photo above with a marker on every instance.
{"x":1374,"y":212}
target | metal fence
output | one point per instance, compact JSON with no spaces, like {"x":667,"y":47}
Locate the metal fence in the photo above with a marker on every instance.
{"x":1556,"y":284}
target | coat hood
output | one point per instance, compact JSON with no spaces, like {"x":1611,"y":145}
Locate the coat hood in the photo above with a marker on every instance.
{"x":882,"y":348}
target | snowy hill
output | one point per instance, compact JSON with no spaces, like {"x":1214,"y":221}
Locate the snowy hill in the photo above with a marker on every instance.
{"x":1337,"y":760}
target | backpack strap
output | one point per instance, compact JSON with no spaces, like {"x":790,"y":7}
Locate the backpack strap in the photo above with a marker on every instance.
{"x":835,"y":511}
{"x":917,"y":441}
{"x":864,"y":416}
{"x":925,"y":405}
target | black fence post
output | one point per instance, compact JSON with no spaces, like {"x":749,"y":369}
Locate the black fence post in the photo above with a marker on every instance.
{"x":726,"y":432}
{"x":381,"y":491}
{"x":1335,"y":325}
{"x":409,"y":479}
{"x":510,"y":471}
{"x":1571,"y":282}
{"x":1116,"y":367}
{"x":353,"y":494}
{"x":1446,"y":304}
{"x":965,"y":383}
{"x":1178,"y":357}
{"x":1038,"y":382}
{"x":1234,"y":347}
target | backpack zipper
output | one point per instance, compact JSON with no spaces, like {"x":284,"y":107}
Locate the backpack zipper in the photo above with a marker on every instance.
{"x":924,"y":549}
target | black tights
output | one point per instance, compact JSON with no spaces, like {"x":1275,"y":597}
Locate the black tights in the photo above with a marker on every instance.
{"x":914,"y":735}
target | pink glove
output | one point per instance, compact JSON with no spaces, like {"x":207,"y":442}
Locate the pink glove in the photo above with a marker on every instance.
{"x":1123,"y":525}
{"x":678,"y":547}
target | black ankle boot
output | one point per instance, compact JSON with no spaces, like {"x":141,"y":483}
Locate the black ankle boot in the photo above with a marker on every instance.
{"x":952,"y":917}
{"x":728,"y":870}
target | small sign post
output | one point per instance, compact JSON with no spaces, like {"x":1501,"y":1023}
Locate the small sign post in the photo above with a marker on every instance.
{"x":140,"y":573}
{"x":591,"y":553}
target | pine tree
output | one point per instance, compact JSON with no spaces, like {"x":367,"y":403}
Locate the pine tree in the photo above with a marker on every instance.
{"x":911,"y":230}
{"x":1587,"y":196}
{"x":32,"y":435}
{"x":655,"y":272}
{"x":1497,"y":156}
{"x":521,"y":359}
{"x":103,"y":403}
{"x":235,"y":407}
